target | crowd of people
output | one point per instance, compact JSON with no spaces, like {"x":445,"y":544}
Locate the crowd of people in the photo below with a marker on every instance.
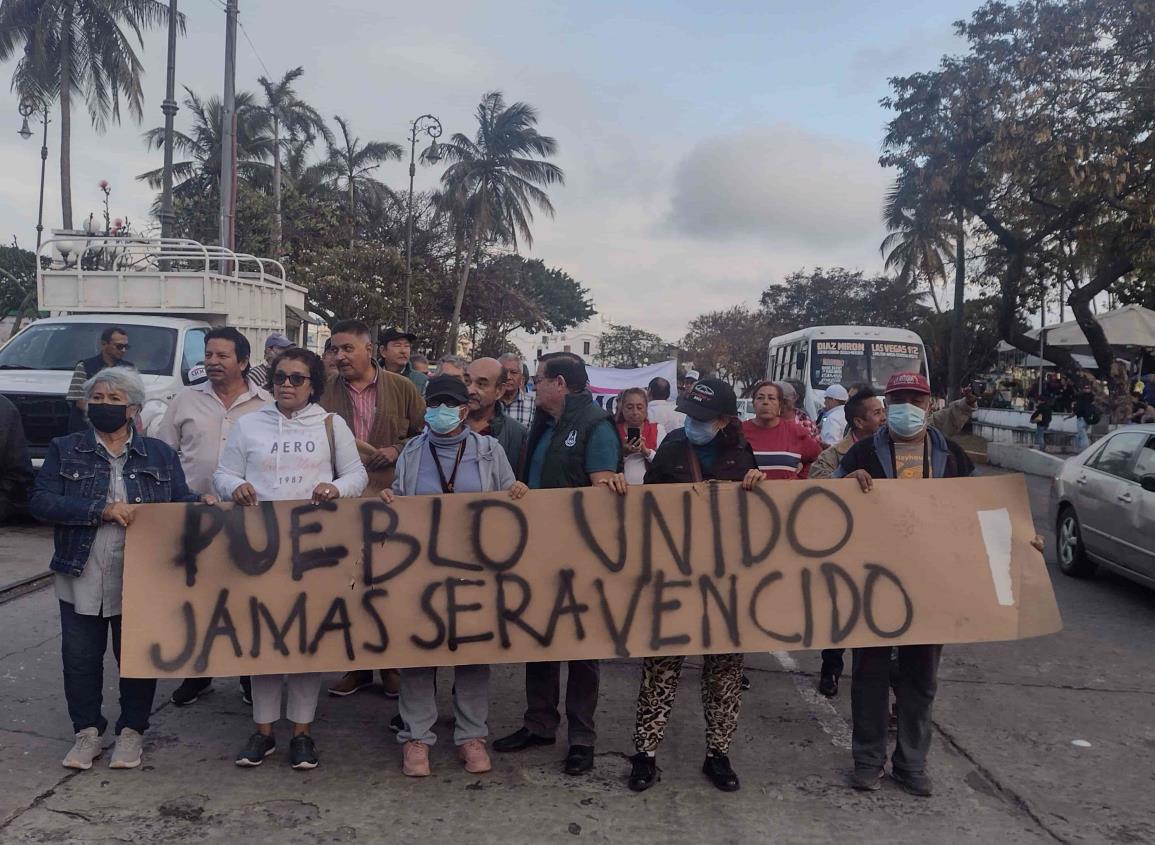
{"x":370,"y":418}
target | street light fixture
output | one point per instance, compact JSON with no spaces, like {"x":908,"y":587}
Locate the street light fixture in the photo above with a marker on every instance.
{"x":30,"y":105}
{"x":430,"y":126}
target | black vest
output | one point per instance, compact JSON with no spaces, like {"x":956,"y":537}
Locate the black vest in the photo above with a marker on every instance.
{"x":564,"y":463}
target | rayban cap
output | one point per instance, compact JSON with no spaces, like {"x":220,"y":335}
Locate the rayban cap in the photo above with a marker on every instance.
{"x":908,"y":381}
{"x":709,"y":399}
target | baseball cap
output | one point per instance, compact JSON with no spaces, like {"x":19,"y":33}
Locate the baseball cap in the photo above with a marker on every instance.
{"x":838,"y":393}
{"x":444,"y":390}
{"x":691,"y":375}
{"x":908,"y":381}
{"x":277,"y":341}
{"x":392,"y":333}
{"x":709,"y":399}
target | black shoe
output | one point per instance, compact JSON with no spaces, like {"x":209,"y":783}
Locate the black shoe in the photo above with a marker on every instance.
{"x":520,"y":740}
{"x":256,"y":750}
{"x":397,"y":724}
{"x":866,"y":778}
{"x":302,"y":752}
{"x":579,"y":760}
{"x":828,"y":685}
{"x":745,"y":683}
{"x":247,"y":690}
{"x":644,"y":772}
{"x":190,"y":690}
{"x":718,"y":769}
{"x":916,"y":783}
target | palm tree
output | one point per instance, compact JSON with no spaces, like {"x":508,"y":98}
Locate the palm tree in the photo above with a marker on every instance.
{"x":199,"y":174}
{"x":289,"y":114}
{"x":348,"y":164}
{"x":79,"y":47}
{"x":494,"y":181}
{"x":918,"y":238}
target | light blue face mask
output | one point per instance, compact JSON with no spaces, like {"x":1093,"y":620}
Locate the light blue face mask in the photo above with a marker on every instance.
{"x":442,"y":419}
{"x":699,"y":433}
{"x":905,"y":420}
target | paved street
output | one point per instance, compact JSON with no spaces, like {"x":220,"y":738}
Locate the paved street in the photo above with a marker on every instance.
{"x":1005,"y":762}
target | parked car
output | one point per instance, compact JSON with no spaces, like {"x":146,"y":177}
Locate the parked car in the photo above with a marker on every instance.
{"x":1103,"y":507}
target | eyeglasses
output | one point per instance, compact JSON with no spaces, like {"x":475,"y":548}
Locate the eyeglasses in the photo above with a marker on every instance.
{"x":539,"y":379}
{"x":295,"y":379}
{"x":122,"y":347}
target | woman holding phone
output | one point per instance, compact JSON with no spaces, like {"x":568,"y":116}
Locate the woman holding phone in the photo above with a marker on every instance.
{"x":640,"y":437}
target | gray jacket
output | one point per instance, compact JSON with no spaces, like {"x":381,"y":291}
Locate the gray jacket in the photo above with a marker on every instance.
{"x":496,"y":473}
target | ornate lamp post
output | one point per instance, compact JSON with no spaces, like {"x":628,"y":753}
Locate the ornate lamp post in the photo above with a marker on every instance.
{"x":28,"y":106}
{"x":431,"y":126}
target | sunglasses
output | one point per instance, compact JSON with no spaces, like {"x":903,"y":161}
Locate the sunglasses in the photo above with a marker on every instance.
{"x":296,"y":379}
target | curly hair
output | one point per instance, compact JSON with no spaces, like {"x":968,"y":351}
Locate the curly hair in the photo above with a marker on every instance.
{"x":316,"y":365}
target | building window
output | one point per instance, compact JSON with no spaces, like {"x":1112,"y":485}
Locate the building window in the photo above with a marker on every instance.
{"x":565,"y":348}
{"x":586,"y":348}
{"x":544,"y":339}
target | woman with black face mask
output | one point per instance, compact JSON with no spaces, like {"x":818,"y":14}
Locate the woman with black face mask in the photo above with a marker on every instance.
{"x":90,"y":487}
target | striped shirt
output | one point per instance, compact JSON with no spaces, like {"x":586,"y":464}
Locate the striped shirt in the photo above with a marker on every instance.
{"x":785,"y":451}
{"x":364,"y":407}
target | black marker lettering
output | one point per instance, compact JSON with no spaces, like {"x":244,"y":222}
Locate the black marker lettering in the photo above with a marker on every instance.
{"x":505,"y":616}
{"x":245,"y":558}
{"x":190,"y":643}
{"x":453,"y":609}
{"x":281,"y":632}
{"x":566,"y":603}
{"x":479,"y":508}
{"x":838,"y":629}
{"x":435,"y":557}
{"x":874,"y":572}
{"x":750,"y":557}
{"x":220,"y":625}
{"x":765,"y":582}
{"x":336,"y":619}
{"x":438,"y":623}
{"x":657,"y":641}
{"x":716,"y":522}
{"x":372,"y":537}
{"x":382,"y":633}
{"x":201,"y":524}
{"x":620,"y":634}
{"x":796,"y":509}
{"x":728,"y":608}
{"x":652,"y":514}
{"x":304,"y":560}
{"x":587,"y":533}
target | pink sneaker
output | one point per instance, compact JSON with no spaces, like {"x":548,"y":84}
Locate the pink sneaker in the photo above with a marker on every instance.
{"x":415,"y":759}
{"x":475,"y":757}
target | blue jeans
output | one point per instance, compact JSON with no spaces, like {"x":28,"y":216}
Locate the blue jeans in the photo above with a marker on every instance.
{"x":83,"y":641}
{"x":1082,"y":441}
{"x":1040,"y":438}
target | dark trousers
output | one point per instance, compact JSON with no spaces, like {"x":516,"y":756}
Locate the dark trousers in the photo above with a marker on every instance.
{"x":832,"y":661}
{"x":83,"y":642}
{"x":542,"y":695}
{"x":870,"y":704}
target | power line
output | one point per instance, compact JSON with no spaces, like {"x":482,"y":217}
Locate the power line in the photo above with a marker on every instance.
{"x":245,"y":33}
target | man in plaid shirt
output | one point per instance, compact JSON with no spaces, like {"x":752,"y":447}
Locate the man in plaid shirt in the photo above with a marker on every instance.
{"x":518,"y":404}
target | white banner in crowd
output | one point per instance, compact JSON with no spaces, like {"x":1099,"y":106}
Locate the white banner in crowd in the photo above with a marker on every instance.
{"x":607,"y":383}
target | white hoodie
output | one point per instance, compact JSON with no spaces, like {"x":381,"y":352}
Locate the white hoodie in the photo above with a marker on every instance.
{"x":285,"y":458}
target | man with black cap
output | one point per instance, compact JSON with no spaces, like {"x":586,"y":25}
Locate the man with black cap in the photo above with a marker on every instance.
{"x":395,"y":348}
{"x":709,"y":447}
{"x":572,"y":443}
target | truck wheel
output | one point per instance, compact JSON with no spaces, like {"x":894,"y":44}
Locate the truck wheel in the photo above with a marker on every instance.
{"x":1073,"y":558}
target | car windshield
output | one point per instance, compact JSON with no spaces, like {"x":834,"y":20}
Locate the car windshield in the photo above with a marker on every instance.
{"x":58,"y":346}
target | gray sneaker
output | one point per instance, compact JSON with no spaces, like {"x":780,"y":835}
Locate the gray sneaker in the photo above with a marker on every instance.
{"x":866,"y":778}
{"x":126,"y":754}
{"x":916,"y":783}
{"x":84,"y":751}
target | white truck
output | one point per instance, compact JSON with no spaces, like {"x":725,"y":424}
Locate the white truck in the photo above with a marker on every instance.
{"x":165,"y":293}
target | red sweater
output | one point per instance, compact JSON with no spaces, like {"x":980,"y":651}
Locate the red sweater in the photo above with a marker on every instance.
{"x":785,"y":451}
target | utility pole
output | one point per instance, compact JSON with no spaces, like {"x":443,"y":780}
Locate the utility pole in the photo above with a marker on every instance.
{"x":431,"y":126}
{"x":229,"y":131}
{"x":169,"y":107}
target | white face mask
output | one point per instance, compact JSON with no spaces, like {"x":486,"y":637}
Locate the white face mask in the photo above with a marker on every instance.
{"x":906,"y":420}
{"x":698,"y":432}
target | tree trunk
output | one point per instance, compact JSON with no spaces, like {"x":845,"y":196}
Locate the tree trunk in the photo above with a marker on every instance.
{"x":277,"y":226}
{"x":955,"y":355}
{"x":352,"y":214}
{"x":459,"y":298}
{"x":1107,"y":273}
{"x":66,"y":118}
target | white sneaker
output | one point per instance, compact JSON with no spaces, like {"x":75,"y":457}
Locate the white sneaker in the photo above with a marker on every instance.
{"x":126,"y":755}
{"x":86,"y":749}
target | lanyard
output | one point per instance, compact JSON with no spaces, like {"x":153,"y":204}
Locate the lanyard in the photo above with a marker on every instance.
{"x":695,"y":464}
{"x":447,"y":486}
{"x":925,"y":456}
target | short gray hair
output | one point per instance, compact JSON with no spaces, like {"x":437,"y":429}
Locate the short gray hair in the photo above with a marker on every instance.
{"x":453,"y":360}
{"x":787,"y":390}
{"x":124,"y":379}
{"x":510,"y":357}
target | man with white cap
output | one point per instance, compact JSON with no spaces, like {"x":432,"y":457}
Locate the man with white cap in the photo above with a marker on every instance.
{"x":691,"y":378}
{"x":834,"y":415}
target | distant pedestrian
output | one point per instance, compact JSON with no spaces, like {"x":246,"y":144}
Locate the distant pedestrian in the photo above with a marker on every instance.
{"x":275,"y":344}
{"x":782,"y":448}
{"x":396,"y":349}
{"x":108,"y":466}
{"x":419,"y":363}
{"x":792,"y":408}
{"x":15,"y":465}
{"x":662,"y":409}
{"x":1041,"y":419}
{"x":1086,"y":415}
{"x":710,"y":447}
{"x":290,"y":450}
{"x":113,"y":348}
{"x":690,"y":378}
{"x":640,"y":437}
{"x":448,"y":457}
{"x":517,"y":401}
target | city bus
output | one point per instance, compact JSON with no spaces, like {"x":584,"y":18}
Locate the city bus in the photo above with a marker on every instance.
{"x":820,"y":356}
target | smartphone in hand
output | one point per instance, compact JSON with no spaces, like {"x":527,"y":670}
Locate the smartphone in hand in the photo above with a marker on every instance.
{"x":633,"y":433}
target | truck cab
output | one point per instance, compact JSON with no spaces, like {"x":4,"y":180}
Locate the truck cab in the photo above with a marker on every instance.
{"x":166,"y":294}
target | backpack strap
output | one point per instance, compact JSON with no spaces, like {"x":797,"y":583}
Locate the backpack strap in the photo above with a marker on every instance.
{"x":332,"y":443}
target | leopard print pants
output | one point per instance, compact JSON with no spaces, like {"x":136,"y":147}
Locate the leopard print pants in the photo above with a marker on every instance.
{"x":721,"y":699}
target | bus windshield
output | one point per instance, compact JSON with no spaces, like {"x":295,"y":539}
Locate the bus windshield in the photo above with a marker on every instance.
{"x":58,"y":346}
{"x":850,"y":362}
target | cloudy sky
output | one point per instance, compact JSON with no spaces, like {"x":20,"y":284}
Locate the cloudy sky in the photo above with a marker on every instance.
{"x":709,"y":148}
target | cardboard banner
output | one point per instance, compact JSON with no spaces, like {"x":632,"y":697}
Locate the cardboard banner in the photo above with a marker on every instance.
{"x":584,"y":573}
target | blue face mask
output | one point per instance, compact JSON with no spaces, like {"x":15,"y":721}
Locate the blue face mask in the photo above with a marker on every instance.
{"x":699,"y":433}
{"x":905,"y":420}
{"x":442,"y":419}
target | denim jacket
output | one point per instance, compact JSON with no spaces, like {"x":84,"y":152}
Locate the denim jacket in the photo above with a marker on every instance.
{"x":71,"y":490}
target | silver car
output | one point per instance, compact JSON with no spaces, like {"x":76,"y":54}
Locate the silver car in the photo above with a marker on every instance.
{"x":1103,"y":507}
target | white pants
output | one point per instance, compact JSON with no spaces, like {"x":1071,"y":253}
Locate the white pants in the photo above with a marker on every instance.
{"x":302,"y":705}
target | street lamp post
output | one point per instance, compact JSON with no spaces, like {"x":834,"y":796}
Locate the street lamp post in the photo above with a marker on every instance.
{"x":28,"y":106}
{"x":431,"y":126}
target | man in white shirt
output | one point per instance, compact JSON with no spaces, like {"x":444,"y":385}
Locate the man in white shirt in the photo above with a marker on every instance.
{"x":197,"y":425}
{"x":834,"y":415}
{"x":662,"y":409}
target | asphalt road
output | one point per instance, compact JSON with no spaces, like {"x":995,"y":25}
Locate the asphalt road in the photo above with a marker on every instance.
{"x":1006,"y":761}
